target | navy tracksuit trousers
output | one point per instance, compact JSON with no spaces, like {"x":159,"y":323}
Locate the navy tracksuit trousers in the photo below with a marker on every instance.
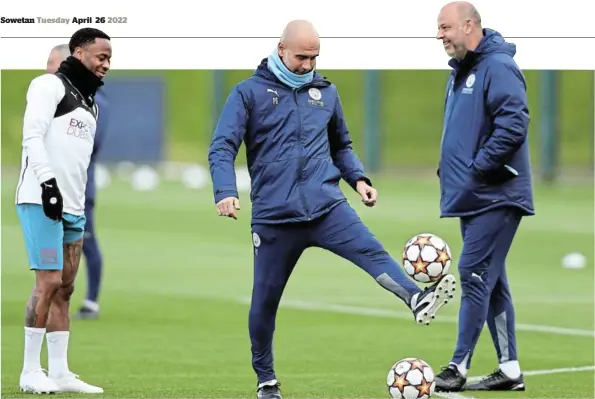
{"x":487,"y":238}
{"x":92,"y":254}
{"x":277,"y":249}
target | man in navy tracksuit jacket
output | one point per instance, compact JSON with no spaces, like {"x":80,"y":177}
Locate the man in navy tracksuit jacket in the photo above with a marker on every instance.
{"x":298,"y":149}
{"x":485,"y":180}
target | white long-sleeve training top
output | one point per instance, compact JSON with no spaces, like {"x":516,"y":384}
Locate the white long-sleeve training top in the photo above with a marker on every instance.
{"x":58,"y":135}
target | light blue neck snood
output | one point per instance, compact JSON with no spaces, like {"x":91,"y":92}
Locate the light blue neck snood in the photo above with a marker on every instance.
{"x":293,"y":80}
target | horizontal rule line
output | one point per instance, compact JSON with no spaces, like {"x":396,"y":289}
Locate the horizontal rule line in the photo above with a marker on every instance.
{"x":275,"y":37}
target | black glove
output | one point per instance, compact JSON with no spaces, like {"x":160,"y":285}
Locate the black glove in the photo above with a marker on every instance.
{"x":501,"y":175}
{"x":51,"y":198}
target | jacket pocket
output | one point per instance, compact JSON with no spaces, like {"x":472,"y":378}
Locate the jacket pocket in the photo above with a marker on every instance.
{"x":496,"y":177}
{"x":474,"y":173}
{"x":502,"y":175}
{"x":273,"y":182}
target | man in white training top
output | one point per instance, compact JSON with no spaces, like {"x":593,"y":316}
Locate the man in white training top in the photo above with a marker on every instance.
{"x":91,"y":249}
{"x":58,"y":134}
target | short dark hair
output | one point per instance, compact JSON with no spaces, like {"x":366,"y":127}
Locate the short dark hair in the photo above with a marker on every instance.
{"x":85,"y":36}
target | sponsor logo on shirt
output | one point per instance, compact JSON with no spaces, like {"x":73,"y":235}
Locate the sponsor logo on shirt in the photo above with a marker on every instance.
{"x":81,"y":130}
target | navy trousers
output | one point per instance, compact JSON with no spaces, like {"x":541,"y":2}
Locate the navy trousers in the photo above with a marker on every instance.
{"x":487,"y":238}
{"x":92,"y":254}
{"x":277,"y":249}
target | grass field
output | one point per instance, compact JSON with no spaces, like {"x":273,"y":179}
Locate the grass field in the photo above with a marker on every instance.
{"x":178,"y":282}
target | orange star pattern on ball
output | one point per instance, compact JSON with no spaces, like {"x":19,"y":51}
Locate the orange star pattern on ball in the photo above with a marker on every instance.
{"x":423,"y":388}
{"x":422,"y":241}
{"x":400,"y":382}
{"x":442,"y":257}
{"x":420,"y":266}
{"x":417,"y":364}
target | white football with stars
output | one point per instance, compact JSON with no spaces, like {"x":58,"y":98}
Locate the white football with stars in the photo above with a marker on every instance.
{"x":411,"y":378}
{"x":426,"y":258}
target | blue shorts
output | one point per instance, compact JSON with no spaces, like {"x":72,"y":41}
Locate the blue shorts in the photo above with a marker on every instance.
{"x":44,"y":237}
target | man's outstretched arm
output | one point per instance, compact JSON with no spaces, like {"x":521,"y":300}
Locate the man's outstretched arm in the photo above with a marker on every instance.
{"x":226,"y":142}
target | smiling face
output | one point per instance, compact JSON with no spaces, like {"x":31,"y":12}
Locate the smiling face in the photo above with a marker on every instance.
{"x":95,"y":56}
{"x":459,"y":28}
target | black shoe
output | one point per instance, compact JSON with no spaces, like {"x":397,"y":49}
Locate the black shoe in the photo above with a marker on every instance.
{"x":498,"y":381}
{"x":430,"y":300}
{"x":85,"y":313}
{"x":269,"y":391}
{"x":450,"y":380}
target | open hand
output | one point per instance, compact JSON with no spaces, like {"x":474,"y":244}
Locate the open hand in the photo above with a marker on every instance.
{"x":228,"y":207}
{"x":369,"y":194}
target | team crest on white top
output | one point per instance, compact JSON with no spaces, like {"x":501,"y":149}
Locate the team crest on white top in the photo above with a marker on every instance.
{"x":315,"y":94}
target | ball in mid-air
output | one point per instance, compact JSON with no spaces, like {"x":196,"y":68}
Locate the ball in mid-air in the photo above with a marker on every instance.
{"x":426,"y":258}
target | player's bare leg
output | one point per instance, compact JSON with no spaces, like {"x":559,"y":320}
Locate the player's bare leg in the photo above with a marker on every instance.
{"x":47,"y":283}
{"x":58,"y":326}
{"x":33,"y":379}
{"x":59,"y":319}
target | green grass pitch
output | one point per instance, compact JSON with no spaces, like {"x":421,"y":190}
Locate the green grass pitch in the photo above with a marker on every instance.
{"x":178,"y":280}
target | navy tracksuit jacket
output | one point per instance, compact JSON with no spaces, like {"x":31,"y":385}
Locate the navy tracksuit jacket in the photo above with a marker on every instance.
{"x":486,"y":122}
{"x":295,"y":166}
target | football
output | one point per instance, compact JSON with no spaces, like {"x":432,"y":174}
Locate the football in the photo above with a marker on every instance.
{"x":411,"y":378}
{"x":426,"y":258}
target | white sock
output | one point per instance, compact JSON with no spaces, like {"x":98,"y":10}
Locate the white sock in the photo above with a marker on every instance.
{"x":512,"y":369}
{"x":462,"y":368}
{"x":33,"y":343}
{"x":94,"y":306}
{"x":270,"y":383}
{"x":58,"y":352}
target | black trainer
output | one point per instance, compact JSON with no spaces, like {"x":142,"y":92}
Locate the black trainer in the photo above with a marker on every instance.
{"x":432,"y":298}
{"x":450,"y":380}
{"x":498,"y":381}
{"x":269,"y":390}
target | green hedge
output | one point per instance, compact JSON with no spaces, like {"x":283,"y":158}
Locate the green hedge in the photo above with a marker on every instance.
{"x":412,"y":103}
